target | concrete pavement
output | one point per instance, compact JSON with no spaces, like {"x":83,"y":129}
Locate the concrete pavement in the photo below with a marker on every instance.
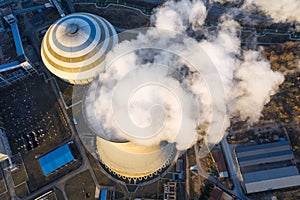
{"x":237,"y":190}
{"x":231,"y":164}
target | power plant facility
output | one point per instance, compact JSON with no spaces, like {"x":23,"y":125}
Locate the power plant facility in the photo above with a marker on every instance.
{"x":74,"y":49}
{"x":75,"y":46}
{"x":149,"y":99}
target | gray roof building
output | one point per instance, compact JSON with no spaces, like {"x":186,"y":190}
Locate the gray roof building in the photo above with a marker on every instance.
{"x":264,"y":153}
{"x":269,"y":170}
{"x":271,"y":179}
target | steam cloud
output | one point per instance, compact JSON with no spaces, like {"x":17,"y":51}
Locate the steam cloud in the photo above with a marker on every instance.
{"x":163,"y":85}
{"x":279,"y":10}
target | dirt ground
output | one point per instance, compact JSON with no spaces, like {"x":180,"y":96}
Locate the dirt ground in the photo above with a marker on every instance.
{"x":5,"y":196}
{"x":21,"y":190}
{"x":59,"y":195}
{"x":81,"y":186}
{"x":194,"y":180}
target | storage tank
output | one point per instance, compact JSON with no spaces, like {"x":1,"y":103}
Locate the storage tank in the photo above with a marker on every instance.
{"x":75,"y":46}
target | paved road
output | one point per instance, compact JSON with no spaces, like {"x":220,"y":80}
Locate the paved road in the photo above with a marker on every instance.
{"x":237,"y":190}
{"x":212,"y":179}
{"x":232,"y":169}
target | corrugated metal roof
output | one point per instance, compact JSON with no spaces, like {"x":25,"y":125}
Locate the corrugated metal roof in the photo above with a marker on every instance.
{"x":272,"y":184}
{"x":265,"y":155}
{"x":260,"y":146}
{"x":261,"y":151}
{"x":266,"y":160}
{"x":219,"y":159}
{"x":56,"y":159}
{"x":9,"y":66}
{"x":270,"y":174}
{"x":17,"y":39}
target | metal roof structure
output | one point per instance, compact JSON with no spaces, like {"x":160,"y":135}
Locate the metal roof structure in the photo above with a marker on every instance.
{"x":271,"y":179}
{"x":75,"y":46}
{"x":221,"y":165}
{"x":262,"y":147}
{"x":268,"y":169}
{"x":56,"y":159}
{"x":270,"y":174}
{"x":264,"y":153}
{"x":21,"y":68}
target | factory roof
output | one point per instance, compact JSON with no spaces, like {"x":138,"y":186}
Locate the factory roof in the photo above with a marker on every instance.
{"x":261,"y":146}
{"x":56,"y":159}
{"x":270,"y":174}
{"x":271,"y":179}
{"x":219,"y":159}
{"x":273,"y":174}
{"x":264,"y":153}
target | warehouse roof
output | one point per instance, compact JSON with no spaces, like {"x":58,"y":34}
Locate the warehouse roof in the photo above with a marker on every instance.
{"x":264,"y":153}
{"x":219,"y":159}
{"x":56,"y":159}
{"x":270,"y":174}
{"x":261,"y":146}
{"x":271,"y":179}
{"x":275,"y":176}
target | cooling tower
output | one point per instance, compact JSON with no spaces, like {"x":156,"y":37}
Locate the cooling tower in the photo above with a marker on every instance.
{"x":133,"y":163}
{"x":75,"y":46}
{"x":128,"y":161}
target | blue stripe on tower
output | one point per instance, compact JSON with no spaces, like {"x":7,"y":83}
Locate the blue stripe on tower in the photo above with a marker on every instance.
{"x":82,"y":46}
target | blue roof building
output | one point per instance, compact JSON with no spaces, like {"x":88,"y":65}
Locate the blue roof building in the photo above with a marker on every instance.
{"x":56,"y":159}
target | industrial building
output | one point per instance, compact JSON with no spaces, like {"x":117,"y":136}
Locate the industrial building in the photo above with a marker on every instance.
{"x":75,"y":46}
{"x":170,"y":191}
{"x":73,"y":49}
{"x":56,"y":159}
{"x":21,"y":67}
{"x":267,"y":167}
{"x":218,"y":194}
{"x":221,"y":165}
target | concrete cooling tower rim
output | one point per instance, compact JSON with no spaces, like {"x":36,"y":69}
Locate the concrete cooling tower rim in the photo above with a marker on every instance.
{"x":129,"y":161}
{"x":75,"y":46}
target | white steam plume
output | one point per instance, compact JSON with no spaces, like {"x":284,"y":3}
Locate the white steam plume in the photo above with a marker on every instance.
{"x":279,"y":10}
{"x":176,"y":16}
{"x":162,"y":85}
